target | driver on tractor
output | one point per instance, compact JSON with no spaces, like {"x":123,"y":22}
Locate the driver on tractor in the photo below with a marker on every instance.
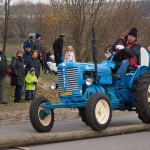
{"x":125,"y":50}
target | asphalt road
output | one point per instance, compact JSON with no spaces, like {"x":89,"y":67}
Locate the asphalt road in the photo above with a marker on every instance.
{"x":67,"y":125}
{"x":134,"y":141}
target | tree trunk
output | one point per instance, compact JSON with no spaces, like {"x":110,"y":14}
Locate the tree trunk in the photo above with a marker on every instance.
{"x":7,"y":6}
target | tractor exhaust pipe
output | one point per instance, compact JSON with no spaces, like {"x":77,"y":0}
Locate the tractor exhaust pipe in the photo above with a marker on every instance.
{"x":95,"y":54}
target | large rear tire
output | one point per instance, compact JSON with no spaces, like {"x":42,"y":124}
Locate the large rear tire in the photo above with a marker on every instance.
{"x":98,"y":112}
{"x":142,"y":97}
{"x":40,"y":121}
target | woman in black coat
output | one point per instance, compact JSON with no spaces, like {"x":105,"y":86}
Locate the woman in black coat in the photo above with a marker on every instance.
{"x":17,"y":78}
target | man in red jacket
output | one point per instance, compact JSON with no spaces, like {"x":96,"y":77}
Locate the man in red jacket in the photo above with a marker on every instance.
{"x":126,"y":53}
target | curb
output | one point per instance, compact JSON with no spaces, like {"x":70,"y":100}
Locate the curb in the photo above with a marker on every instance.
{"x":44,"y":138}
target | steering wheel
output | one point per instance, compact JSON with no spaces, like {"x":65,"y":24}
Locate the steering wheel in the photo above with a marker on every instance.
{"x":108,"y":50}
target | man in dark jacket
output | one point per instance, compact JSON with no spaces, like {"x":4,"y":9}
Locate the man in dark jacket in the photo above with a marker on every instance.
{"x":33,"y":62}
{"x":126,"y":53}
{"x":17,"y":78}
{"x":27,"y":52}
{"x":58,"y":47}
{"x":3,"y":68}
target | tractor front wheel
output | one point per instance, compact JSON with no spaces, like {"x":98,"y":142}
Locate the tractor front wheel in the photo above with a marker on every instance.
{"x":98,"y":112}
{"x":41,"y":121}
{"x":142,"y":97}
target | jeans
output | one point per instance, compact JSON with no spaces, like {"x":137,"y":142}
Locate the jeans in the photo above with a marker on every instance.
{"x":18,"y":93}
{"x":2,"y":89}
{"x":23,"y":88}
{"x":30,"y":95}
{"x":122,"y":67}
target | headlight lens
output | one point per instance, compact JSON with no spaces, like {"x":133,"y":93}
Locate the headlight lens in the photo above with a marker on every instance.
{"x":89,"y":81}
{"x":54,"y":86}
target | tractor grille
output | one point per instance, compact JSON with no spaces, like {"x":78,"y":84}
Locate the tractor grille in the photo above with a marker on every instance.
{"x":60,"y":81}
{"x":71,"y":83}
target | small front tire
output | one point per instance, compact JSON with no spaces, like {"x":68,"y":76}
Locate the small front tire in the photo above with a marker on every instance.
{"x":98,"y":112}
{"x":40,"y":121}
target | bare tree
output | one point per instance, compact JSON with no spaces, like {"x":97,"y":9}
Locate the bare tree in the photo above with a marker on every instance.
{"x":75,"y":17}
{"x":6,"y":4}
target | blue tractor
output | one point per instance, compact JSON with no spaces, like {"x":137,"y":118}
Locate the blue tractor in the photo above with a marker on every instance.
{"x":90,"y":88}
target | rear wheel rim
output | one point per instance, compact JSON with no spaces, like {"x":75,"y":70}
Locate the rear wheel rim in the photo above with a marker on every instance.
{"x":44,"y":119}
{"x":102,"y":111}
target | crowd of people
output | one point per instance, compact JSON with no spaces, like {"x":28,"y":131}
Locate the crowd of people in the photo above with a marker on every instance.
{"x":27,"y":64}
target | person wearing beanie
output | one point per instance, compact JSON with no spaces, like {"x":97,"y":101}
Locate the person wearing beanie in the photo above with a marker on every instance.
{"x":26,"y":56}
{"x":38,"y":43}
{"x":38,"y":35}
{"x":27,"y":52}
{"x":39,"y":48}
{"x":31,"y":81}
{"x":126,"y":51}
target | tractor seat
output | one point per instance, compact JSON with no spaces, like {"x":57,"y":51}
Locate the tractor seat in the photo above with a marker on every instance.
{"x":143,"y":57}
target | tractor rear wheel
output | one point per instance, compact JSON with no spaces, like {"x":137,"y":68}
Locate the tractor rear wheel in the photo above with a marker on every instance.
{"x":41,"y":121}
{"x":82,"y":114}
{"x":142,"y":97}
{"x":98,"y":112}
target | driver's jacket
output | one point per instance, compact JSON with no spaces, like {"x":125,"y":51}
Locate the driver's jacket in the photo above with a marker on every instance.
{"x":130,"y":51}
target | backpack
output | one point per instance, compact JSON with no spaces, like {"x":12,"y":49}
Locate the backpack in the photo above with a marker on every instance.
{"x":9,"y":71}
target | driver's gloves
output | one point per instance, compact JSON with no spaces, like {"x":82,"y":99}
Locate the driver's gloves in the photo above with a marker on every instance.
{"x":120,"y":47}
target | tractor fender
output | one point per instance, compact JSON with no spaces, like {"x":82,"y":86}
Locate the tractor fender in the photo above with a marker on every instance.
{"x":92,"y":90}
{"x":139,"y":72}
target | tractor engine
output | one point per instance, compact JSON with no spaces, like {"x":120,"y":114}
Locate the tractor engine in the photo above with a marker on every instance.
{"x":76,"y":81}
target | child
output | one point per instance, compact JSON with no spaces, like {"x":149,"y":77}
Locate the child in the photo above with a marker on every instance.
{"x":31,"y":81}
{"x":69,"y":56}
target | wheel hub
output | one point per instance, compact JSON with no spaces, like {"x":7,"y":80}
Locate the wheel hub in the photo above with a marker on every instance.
{"x":44,"y":118}
{"x":102,"y":111}
{"x":42,"y":114}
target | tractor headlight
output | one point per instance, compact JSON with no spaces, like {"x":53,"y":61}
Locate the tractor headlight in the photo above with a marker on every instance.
{"x":54,"y":86}
{"x":89,"y":81}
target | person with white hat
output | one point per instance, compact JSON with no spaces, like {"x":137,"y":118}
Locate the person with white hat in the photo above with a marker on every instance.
{"x":31,"y":39}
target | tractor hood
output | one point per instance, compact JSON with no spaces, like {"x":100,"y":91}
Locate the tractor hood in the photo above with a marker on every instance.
{"x":102,"y":69}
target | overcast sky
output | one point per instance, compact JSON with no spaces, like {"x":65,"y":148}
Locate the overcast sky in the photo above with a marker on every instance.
{"x":33,"y":1}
